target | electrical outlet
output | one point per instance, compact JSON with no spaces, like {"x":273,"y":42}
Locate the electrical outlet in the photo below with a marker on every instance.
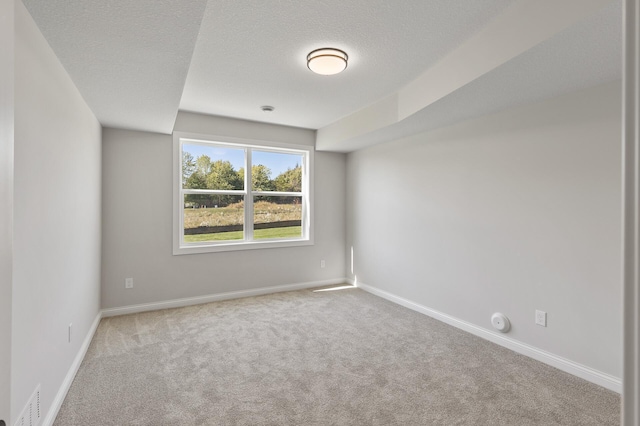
{"x":128,"y":283}
{"x":322,"y":264}
{"x":70,"y":326}
{"x":541,"y":318}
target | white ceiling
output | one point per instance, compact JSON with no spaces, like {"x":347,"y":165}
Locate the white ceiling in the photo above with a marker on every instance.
{"x":138,"y":62}
{"x":128,"y":58}
{"x":250,"y":54}
{"x":574,"y":59}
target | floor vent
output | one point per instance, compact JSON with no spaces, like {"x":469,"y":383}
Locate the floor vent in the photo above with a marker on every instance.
{"x":31,"y":414}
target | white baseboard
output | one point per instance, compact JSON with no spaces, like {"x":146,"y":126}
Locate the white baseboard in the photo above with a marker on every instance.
{"x":594,"y":376}
{"x":178,"y":303}
{"x":71,"y":374}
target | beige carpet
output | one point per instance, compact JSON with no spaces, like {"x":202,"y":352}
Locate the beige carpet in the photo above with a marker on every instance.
{"x":340,"y":357}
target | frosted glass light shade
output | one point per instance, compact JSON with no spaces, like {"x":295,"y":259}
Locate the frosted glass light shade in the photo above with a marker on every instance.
{"x":327,"y":61}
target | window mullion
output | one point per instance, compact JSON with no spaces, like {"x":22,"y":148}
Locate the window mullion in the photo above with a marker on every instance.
{"x":305,"y":199}
{"x":212,"y":191}
{"x":248,"y":197}
{"x":181,"y":195}
{"x":277,"y":194}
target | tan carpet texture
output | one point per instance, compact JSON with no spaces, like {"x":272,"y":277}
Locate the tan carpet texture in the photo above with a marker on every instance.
{"x":342,"y":357}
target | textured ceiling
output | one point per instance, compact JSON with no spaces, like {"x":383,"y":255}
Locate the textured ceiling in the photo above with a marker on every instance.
{"x":250,"y":54}
{"x":138,"y":62}
{"x":584,"y":55}
{"x":128,"y":58}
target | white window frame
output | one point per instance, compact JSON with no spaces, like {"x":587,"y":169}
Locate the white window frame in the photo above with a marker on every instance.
{"x":248,"y":243}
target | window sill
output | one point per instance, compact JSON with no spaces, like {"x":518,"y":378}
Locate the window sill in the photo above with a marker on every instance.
{"x":236,"y":246}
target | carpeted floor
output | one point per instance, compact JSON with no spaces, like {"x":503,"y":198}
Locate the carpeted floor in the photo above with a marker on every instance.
{"x":307,"y":357}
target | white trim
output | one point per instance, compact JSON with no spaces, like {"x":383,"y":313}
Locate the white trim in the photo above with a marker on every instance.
{"x":188,"y":301}
{"x":232,"y":245}
{"x":177,"y":218}
{"x":254,"y":143}
{"x":71,"y":374}
{"x":179,"y":247}
{"x":582,"y":371}
{"x":248,"y":206}
{"x":631,"y":217}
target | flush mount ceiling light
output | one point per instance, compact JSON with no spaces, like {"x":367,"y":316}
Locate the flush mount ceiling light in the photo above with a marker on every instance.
{"x":327,"y":61}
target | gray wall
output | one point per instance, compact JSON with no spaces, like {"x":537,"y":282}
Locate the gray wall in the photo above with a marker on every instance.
{"x":6,"y":200}
{"x":138,"y":214}
{"x":511,"y":212}
{"x":56,"y":275}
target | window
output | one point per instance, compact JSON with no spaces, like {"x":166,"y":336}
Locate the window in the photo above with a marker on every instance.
{"x":236,"y":195}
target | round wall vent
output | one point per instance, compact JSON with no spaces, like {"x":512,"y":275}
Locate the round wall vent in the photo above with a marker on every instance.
{"x":500,"y":322}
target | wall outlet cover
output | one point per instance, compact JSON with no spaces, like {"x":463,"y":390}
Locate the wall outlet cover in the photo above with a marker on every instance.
{"x":541,"y":318}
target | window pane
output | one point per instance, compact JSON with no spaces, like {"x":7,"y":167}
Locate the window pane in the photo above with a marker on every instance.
{"x":274,"y":171}
{"x":277,"y":217}
{"x":212,"y":167}
{"x":213,"y":218}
